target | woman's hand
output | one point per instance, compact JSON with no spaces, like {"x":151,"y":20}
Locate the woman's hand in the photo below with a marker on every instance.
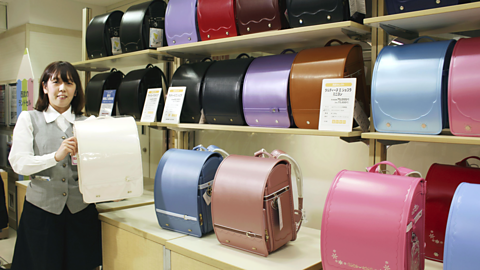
{"x":68,"y":146}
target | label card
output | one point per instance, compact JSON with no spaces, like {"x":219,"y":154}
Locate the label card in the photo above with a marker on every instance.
{"x":156,"y":37}
{"x":151,"y":104}
{"x":336,"y":106}
{"x":108,"y":101}
{"x":116,"y":46}
{"x":173,"y":104}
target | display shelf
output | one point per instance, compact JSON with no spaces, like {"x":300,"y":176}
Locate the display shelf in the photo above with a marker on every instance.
{"x":457,"y":18}
{"x":292,"y":131}
{"x":124,"y":60}
{"x":270,"y":41}
{"x":445,"y":137}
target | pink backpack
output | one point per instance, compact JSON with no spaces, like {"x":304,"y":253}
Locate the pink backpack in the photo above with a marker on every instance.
{"x":252,"y":202}
{"x":463,"y":88}
{"x":374,"y":221}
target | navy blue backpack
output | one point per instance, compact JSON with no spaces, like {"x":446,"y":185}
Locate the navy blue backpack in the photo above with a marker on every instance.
{"x":183,"y":186}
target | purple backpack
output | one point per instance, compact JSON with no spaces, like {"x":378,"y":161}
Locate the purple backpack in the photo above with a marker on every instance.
{"x":181,"y":22}
{"x":265,"y":91}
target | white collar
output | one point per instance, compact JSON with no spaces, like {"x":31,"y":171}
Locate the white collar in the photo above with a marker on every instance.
{"x":51,"y":114}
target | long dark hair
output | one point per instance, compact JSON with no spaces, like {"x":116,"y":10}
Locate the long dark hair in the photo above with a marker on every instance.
{"x":65,"y":71}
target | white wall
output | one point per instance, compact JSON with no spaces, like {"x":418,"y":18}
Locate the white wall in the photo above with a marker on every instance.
{"x":320,"y":159}
{"x":11,"y":52}
{"x":56,"y":13}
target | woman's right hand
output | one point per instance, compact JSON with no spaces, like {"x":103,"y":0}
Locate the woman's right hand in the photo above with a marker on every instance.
{"x":68,"y":146}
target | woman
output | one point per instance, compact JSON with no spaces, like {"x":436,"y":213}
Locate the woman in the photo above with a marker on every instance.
{"x":57,"y":229}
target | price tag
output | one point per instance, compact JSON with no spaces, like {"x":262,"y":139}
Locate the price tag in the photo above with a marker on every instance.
{"x":151,"y":104}
{"x":75,"y":160}
{"x":156,"y":37}
{"x":208,"y":199}
{"x":173,"y":104}
{"x":337,"y":104}
{"x":116,"y":47}
{"x":107,"y":103}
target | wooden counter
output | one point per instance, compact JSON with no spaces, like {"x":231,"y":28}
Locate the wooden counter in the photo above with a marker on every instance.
{"x":132,"y":239}
{"x":207,"y":253}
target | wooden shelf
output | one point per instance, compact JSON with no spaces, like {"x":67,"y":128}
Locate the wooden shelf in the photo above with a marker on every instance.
{"x":123,"y":60}
{"x":292,"y":131}
{"x":451,"y":19}
{"x":442,"y":138}
{"x":270,"y":41}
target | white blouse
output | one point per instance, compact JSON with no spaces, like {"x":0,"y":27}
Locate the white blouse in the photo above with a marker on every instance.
{"x":21,"y":155}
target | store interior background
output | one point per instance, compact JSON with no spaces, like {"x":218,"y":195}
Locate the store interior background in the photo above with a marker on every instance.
{"x":51,"y":30}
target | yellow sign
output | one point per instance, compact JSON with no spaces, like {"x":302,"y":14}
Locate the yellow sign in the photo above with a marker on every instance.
{"x":338,"y":84}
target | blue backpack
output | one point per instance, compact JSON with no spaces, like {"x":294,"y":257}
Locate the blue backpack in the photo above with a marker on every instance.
{"x":409,"y":88}
{"x":183,"y":186}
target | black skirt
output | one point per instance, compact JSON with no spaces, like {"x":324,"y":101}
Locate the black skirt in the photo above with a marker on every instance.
{"x":46,"y":241}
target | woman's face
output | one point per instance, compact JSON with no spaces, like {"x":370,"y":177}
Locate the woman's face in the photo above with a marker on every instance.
{"x":60,"y":93}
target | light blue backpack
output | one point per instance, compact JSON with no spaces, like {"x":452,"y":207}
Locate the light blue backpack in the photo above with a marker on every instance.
{"x":409,"y":88}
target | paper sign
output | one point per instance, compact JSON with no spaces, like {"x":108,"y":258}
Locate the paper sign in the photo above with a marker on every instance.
{"x":116,"y":46}
{"x":108,"y":101}
{"x":173,"y":104}
{"x":156,"y":37}
{"x":337,"y":103}
{"x":151,"y":104}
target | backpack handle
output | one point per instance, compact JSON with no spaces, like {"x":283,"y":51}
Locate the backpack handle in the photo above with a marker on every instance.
{"x":400,"y":171}
{"x":464,"y":162}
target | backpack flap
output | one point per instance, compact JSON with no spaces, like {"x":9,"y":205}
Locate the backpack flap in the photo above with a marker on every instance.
{"x":103,"y":35}
{"x":179,"y":201}
{"x":265,"y":91}
{"x":105,"y":143}
{"x":237,"y":202}
{"x":375,"y":221}
{"x":133,"y":91}
{"x":180,"y":22}
{"x":260,"y":16}
{"x":463,"y":94}
{"x":409,"y":88}
{"x":95,"y":87}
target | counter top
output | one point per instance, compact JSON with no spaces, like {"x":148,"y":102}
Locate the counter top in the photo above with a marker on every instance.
{"x":141,"y":221}
{"x":303,"y":253}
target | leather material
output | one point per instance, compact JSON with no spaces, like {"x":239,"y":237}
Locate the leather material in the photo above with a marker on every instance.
{"x":409,"y":88}
{"x":442,"y":181}
{"x":95,"y":87}
{"x":136,"y":24}
{"x":222,"y":92}
{"x":402,"y":6}
{"x":133,"y":90}
{"x":309,"y":69}
{"x":191,"y":76}
{"x":312,"y":12}
{"x":216,"y":19}
{"x":463,"y":94}
{"x":179,"y":174}
{"x":260,"y":16}
{"x":109,"y":159}
{"x":265,"y":91}
{"x":462,"y":241}
{"x":241,"y":217}
{"x":181,"y":22}
{"x":366,"y":219}
{"x":100,"y":30}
